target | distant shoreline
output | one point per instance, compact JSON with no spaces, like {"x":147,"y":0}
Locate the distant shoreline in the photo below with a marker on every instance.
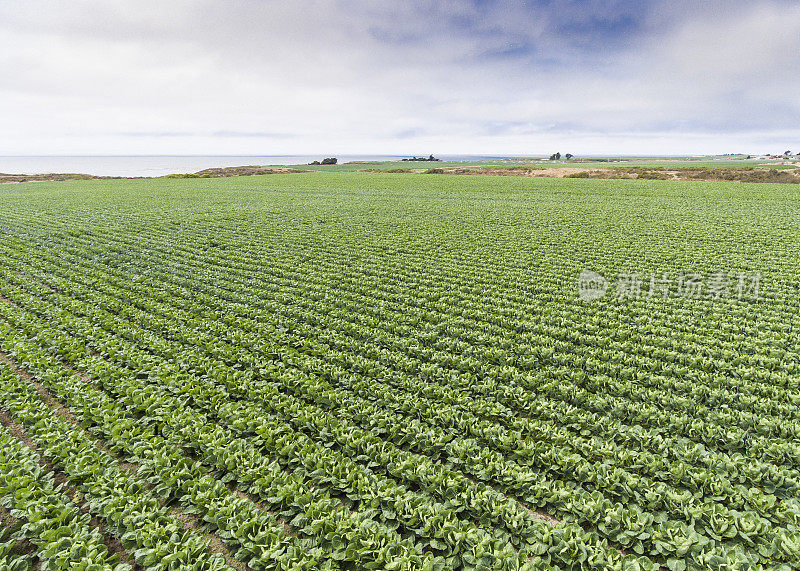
{"x":152,"y":166}
{"x":783,"y":171}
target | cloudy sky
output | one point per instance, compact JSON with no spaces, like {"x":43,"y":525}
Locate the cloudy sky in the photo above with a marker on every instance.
{"x":358,"y":76}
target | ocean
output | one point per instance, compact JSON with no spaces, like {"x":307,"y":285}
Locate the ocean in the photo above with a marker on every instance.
{"x":159,"y":165}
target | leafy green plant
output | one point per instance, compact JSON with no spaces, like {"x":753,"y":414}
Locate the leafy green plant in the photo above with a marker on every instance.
{"x":367,"y":371}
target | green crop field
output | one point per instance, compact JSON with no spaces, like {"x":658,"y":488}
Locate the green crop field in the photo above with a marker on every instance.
{"x":386,"y":371}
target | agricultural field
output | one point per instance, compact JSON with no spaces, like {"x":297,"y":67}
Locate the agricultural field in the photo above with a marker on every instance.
{"x":386,"y":371}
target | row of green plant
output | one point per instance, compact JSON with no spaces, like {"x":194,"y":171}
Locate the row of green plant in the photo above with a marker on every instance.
{"x":385,"y":338}
{"x":244,"y":455}
{"x":220,"y":331}
{"x":762,"y":424}
{"x":121,"y":500}
{"x":62,"y":533}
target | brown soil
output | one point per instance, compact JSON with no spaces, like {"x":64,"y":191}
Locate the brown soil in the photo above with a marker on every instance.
{"x":538,"y":513}
{"x":24,"y":547}
{"x":6,"y":519}
{"x":57,"y":407}
{"x":647,"y":173}
{"x":236,"y":171}
{"x":12,"y":178}
{"x":16,"y":430}
{"x":762,"y":173}
{"x":206,"y":173}
{"x":191,"y":523}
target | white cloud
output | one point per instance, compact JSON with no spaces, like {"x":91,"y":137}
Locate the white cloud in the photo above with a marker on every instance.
{"x":188,"y":77}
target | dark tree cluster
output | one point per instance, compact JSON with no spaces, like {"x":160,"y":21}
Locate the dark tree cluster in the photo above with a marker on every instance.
{"x":328,"y":161}
{"x":421,"y":159}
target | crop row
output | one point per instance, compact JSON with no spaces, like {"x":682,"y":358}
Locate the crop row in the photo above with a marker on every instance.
{"x":61,"y":532}
{"x":711,"y":438}
{"x":142,"y":524}
{"x":244,"y":454}
{"x":776,"y":480}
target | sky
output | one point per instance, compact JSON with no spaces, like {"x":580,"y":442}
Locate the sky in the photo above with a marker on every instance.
{"x":86,"y":77}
